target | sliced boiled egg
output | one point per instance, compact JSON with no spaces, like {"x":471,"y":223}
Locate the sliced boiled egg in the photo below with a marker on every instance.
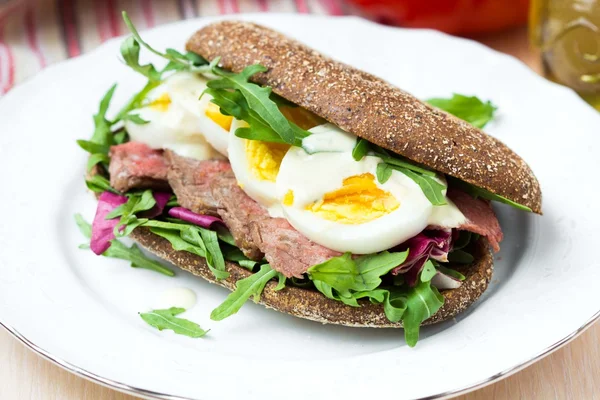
{"x":186,"y":90}
{"x":169,"y":126}
{"x":256,"y":165}
{"x":337,"y":202}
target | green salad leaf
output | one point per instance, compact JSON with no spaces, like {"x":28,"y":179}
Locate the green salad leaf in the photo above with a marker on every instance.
{"x":130,"y":51}
{"x":258,"y":109}
{"x":467,"y":108}
{"x":193,"y":239}
{"x":120,"y":251}
{"x":99,"y":184}
{"x":96,"y":159}
{"x":136,"y":203}
{"x":347,"y":280}
{"x":450,"y":272}
{"x":460,"y":257}
{"x":135,"y":118}
{"x":251,"y":286}
{"x":422,"y":301}
{"x":360,"y":149}
{"x":102,"y":127}
{"x":484,"y":194}
{"x":384,"y":172}
{"x":167,"y":319}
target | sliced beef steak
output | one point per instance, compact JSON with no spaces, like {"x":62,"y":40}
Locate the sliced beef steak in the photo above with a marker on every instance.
{"x":481,"y":218}
{"x":203,"y":186}
{"x":287,"y":250}
{"x":134,"y":165}
{"x":191,"y":180}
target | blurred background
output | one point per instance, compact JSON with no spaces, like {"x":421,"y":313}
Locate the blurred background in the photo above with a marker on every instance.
{"x":557,"y":37}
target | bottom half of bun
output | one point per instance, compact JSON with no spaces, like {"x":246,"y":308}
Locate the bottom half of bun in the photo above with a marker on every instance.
{"x":311,"y":304}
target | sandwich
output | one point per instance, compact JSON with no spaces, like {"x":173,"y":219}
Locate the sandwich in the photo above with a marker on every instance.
{"x":315,"y":188}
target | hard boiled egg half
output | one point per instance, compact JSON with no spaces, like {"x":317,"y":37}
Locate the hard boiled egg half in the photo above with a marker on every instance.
{"x":338,"y":202}
{"x":256,"y":163}
{"x":177,"y":120}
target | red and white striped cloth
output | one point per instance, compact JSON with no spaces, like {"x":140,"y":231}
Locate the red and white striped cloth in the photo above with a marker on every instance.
{"x":37,"y":33}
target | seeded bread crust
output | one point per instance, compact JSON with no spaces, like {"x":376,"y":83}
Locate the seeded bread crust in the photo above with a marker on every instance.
{"x":371,"y":108}
{"x":311,"y":304}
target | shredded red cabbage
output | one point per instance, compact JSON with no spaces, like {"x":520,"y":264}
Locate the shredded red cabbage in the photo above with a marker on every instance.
{"x":102,"y":229}
{"x":184,"y":214}
{"x":161,"y":199}
{"x":429,"y":243}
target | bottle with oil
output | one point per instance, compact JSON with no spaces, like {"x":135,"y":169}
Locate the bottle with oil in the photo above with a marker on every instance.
{"x":568,"y":34}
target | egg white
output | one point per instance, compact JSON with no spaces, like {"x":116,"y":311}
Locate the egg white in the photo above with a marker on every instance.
{"x":303,"y":174}
{"x":263,"y":192}
{"x":311,"y":176}
{"x":172,"y":126}
{"x":186,"y":91}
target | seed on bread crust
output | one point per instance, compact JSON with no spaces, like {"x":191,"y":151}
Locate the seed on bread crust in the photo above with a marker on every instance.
{"x":371,"y":108}
{"x":311,"y":304}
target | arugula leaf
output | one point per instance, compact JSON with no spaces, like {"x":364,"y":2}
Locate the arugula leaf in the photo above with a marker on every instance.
{"x":245,"y":288}
{"x":137,"y":258}
{"x":467,"y":108}
{"x":136,"y":203}
{"x":173,"y":202}
{"x":258,"y":100}
{"x":348,"y":280}
{"x":102,"y":133}
{"x":395,"y":304}
{"x":95,"y":159}
{"x":361,"y":148}
{"x":135,"y":101}
{"x":177,"y":61}
{"x":84,"y":227}
{"x":422,"y":301}
{"x":428,"y":271}
{"x":384,"y":172}
{"x":130,"y":51}
{"x":399,"y":162}
{"x":484,"y":194}
{"x":460,"y":257}
{"x":345,"y":274}
{"x":214,"y":256}
{"x":99,"y":184}
{"x":92,"y":147}
{"x":232,"y":253}
{"x":450,"y":272}
{"x":187,"y":237}
{"x":432,"y":189}
{"x":338,"y":272}
{"x":166,"y":319}
{"x":135,"y":118}
{"x":372,"y":267}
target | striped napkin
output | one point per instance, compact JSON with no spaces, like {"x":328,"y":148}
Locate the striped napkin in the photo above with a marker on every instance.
{"x":37,"y":33}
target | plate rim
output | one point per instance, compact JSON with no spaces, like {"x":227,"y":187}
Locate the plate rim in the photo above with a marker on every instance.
{"x":126,"y":388}
{"x":150,"y":394}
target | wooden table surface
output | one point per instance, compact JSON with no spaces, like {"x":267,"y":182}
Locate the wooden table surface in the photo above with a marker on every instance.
{"x":572,"y":372}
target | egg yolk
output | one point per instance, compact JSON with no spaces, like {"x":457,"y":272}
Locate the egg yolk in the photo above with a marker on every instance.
{"x":162,"y":103}
{"x":288,"y":199}
{"x":359,"y":200}
{"x":264,"y":158}
{"x":213,"y":112}
{"x":301,"y":117}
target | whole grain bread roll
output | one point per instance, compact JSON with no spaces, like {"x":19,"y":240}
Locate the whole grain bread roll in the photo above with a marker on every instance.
{"x":371,"y":108}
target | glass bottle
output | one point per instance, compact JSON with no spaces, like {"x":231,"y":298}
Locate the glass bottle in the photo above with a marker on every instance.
{"x":567,"y":32}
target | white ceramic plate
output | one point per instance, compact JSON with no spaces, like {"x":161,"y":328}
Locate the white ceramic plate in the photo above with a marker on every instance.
{"x":81,"y":310}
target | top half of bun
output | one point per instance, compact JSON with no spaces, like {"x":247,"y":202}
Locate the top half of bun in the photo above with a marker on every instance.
{"x":371,"y":108}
